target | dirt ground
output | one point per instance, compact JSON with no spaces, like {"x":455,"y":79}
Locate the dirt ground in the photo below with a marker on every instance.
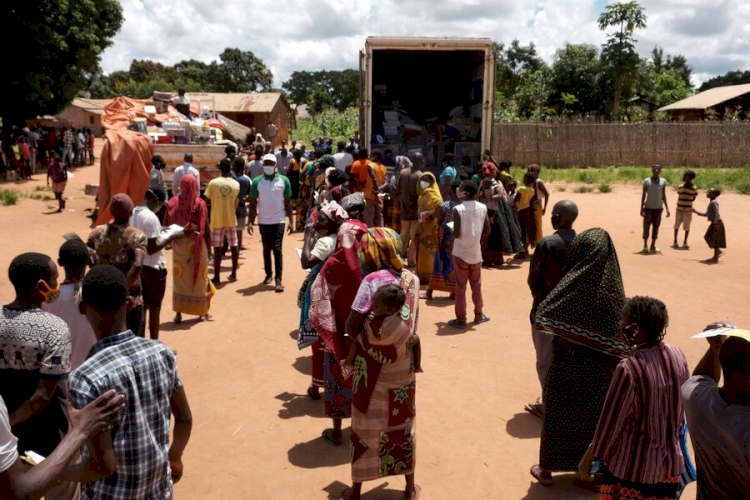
{"x":257,"y":435}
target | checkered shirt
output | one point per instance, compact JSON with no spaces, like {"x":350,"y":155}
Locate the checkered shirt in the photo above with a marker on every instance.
{"x":68,"y":138}
{"x":145,"y":371}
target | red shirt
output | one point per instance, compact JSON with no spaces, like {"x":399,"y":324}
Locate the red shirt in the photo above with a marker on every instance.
{"x":25,"y":151}
{"x":359,"y":170}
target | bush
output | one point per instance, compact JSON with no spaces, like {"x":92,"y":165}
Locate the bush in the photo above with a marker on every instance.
{"x":9,"y":196}
{"x":561,"y":188}
{"x":330,"y":123}
{"x":583,"y":189}
{"x":587,"y":177}
{"x":605,"y":188}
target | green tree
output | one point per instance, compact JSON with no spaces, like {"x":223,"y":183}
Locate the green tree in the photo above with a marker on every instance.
{"x":577,"y":71}
{"x":512,"y":63}
{"x":63,"y":41}
{"x":735,"y":77}
{"x":533,"y":94}
{"x":342,"y":86}
{"x":619,"y":51}
{"x":319,"y":101}
{"x":240,"y":71}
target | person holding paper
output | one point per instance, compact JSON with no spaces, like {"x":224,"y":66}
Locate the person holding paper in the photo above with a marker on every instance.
{"x":718,"y":417}
{"x":154,"y":272}
{"x":427,"y":232}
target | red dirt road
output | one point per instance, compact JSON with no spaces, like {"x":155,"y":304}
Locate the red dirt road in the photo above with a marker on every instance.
{"x":257,"y":435}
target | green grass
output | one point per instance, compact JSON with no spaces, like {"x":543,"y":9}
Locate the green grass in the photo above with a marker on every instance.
{"x":583,"y":189}
{"x":39,"y":196}
{"x":604,"y":188}
{"x":43,"y":188}
{"x":727,"y":179}
{"x":562,"y":189}
{"x":9,"y":196}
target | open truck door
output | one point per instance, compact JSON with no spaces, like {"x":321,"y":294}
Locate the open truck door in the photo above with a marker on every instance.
{"x":364,"y":139}
{"x":488,"y":117}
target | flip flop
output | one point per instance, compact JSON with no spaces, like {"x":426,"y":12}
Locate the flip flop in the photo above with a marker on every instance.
{"x":483,"y":319}
{"x":328,"y":436}
{"x":455,"y":324}
{"x":535,"y":409}
{"x":312,"y":394}
{"x":536,"y":473}
{"x":232,"y":279}
{"x":346,"y":494}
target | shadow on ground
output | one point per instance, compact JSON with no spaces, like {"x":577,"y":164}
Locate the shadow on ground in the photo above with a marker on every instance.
{"x":319,"y":453}
{"x":563,"y":489}
{"x":299,"y":405}
{"x":384,"y":491}
{"x":524,"y":425}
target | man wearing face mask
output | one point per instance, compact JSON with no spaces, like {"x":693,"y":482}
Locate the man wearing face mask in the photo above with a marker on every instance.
{"x":36,"y":356}
{"x":154,"y":272}
{"x":718,"y":417}
{"x":123,"y":246}
{"x":545,"y":272}
{"x":271,"y":201}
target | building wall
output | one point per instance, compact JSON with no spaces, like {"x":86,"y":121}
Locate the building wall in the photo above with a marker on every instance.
{"x":279,"y":116}
{"x":81,"y":118}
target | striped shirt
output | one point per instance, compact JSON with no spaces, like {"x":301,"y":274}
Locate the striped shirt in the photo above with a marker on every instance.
{"x":686,"y":197}
{"x":638,"y":433}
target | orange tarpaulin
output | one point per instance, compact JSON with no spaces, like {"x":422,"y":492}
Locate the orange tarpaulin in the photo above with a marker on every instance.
{"x":126,"y":157}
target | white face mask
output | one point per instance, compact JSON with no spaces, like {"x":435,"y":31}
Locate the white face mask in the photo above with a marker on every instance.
{"x":424,"y":184}
{"x":269,"y":170}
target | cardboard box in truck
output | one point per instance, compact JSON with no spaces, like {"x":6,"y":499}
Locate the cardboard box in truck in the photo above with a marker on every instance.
{"x":432,"y":95}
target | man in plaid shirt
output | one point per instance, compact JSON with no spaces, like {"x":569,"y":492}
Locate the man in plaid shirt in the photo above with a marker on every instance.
{"x":67,"y":150}
{"x":131,"y":459}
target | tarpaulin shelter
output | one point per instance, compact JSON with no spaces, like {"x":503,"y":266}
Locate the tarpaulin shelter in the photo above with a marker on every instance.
{"x":126,"y":156}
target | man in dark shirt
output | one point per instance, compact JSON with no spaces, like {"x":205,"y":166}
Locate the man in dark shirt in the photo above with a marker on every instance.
{"x":406,"y":192}
{"x":545,"y":273}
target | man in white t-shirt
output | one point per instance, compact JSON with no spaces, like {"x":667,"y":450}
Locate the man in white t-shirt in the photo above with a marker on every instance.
{"x":342,"y":159}
{"x":154,"y":271}
{"x":272,"y":131}
{"x":653,"y":197}
{"x":719,"y":418}
{"x":182,"y":103}
{"x":282,"y":161}
{"x":271,"y":201}
{"x":185,"y":168}
{"x":470,"y":223}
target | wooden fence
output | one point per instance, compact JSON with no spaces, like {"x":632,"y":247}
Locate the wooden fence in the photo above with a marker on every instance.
{"x":569,"y":144}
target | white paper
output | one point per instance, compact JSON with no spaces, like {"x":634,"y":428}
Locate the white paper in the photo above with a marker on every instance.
{"x":299,"y":254}
{"x":450,"y":225}
{"x":174,"y":229}
{"x":732,"y":332}
{"x":36,"y":457}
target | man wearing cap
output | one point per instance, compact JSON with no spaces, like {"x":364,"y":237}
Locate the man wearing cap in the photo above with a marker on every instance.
{"x":271,"y":201}
{"x":222,"y":195}
{"x":123,"y":246}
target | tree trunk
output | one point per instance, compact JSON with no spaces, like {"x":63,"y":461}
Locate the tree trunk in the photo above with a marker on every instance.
{"x":616,"y":103}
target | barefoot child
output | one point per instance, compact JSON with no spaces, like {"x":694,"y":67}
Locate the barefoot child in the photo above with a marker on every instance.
{"x":388,"y":301}
{"x":686,"y":194}
{"x":58,"y":171}
{"x":716,"y":235}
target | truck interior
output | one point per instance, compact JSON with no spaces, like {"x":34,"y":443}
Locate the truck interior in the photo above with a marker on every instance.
{"x":428,"y":101}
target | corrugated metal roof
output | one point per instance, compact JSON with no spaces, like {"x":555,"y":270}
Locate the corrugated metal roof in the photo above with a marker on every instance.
{"x":709,"y":98}
{"x":259,"y":102}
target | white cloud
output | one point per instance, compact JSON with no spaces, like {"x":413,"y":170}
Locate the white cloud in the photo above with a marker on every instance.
{"x":294,"y":35}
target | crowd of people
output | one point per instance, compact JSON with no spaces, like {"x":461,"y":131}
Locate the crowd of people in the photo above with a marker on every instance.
{"x":379,"y":234}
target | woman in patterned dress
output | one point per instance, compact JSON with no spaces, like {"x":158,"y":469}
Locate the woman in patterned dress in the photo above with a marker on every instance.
{"x":583,"y":313}
{"x":443,"y":276}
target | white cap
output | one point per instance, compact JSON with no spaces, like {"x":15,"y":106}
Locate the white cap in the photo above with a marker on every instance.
{"x":269,"y":157}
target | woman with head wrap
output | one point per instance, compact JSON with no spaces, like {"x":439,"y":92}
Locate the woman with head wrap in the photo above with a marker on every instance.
{"x":583,"y":313}
{"x":392,"y":216}
{"x":191,"y":289}
{"x":427,"y":234}
{"x":330,"y":299}
{"x":384,"y":384}
{"x":315,"y":252}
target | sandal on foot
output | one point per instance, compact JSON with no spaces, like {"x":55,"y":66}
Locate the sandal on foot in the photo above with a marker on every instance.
{"x":539,"y":474}
{"x":177,"y":319}
{"x":205,"y":317}
{"x":232,"y":278}
{"x":536,"y":409}
{"x":311,"y":394}
{"x":346,"y":494}
{"x":483,"y":319}
{"x":328,"y":436}
{"x":457,"y":324}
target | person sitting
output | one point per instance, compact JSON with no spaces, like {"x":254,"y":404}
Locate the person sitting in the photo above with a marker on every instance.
{"x":718,"y":417}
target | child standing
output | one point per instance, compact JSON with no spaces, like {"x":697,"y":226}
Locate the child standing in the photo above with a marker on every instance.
{"x":470,"y":223}
{"x":686,"y":194}
{"x":58,"y":171}
{"x":653,"y":197}
{"x":525,"y":198}
{"x":716,"y":235}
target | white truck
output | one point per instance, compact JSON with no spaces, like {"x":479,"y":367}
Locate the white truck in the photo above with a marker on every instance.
{"x":431,"y":95}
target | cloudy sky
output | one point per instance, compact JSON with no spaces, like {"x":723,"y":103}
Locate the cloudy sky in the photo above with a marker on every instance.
{"x":312,"y":35}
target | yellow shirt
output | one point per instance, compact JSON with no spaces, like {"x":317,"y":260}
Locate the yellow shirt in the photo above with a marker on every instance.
{"x":223,"y":192}
{"x":526,"y":194}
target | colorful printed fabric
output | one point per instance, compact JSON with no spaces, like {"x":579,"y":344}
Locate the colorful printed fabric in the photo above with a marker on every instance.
{"x":189,"y":211}
{"x":617,"y":489}
{"x":383,"y":434}
{"x":443,"y":276}
{"x":381,"y":249}
{"x":585,"y":306}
